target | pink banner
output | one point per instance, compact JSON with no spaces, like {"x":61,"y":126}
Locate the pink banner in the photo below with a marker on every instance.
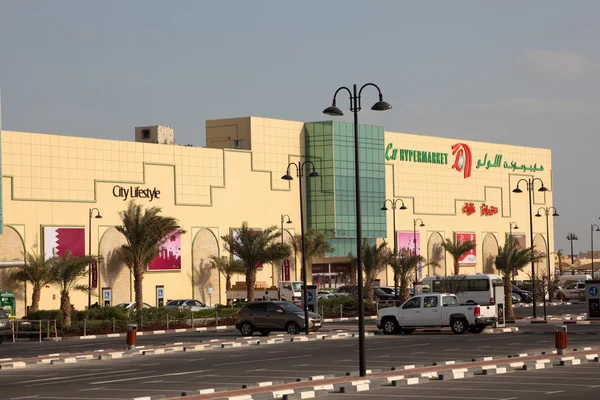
{"x":169,"y":257}
{"x":406,"y":242}
{"x":470,"y":257}
{"x":59,"y":240}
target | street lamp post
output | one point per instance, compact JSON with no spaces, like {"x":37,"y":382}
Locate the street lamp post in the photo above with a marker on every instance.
{"x":571,"y":236}
{"x":530,"y":182}
{"x":415,"y":231}
{"x":355,"y":107}
{"x":289,"y":221}
{"x":592,"y":237}
{"x":513,"y":225}
{"x":554,"y":214}
{"x":393,"y":203}
{"x":91,"y":213}
{"x":300,"y":173}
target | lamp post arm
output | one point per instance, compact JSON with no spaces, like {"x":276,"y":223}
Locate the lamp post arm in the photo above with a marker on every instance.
{"x":369,"y":84}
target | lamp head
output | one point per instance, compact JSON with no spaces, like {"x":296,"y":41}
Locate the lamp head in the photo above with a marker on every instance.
{"x":98,"y":216}
{"x":287,"y":177}
{"x":517,"y":190}
{"x":543,"y":188}
{"x":403,"y":207}
{"x":538,"y":214}
{"x":381,"y":105}
{"x":555,"y":214}
{"x":384,"y":208}
{"x":515,"y":227}
{"x":313,"y":174}
{"x":333,"y":110}
{"x":597,"y":229}
{"x":289,"y":221}
{"x":422,"y":225}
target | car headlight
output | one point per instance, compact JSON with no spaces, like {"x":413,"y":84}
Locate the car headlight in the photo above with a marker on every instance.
{"x":2,"y":323}
{"x":301,"y":316}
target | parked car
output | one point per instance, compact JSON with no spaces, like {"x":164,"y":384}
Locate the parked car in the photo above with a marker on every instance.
{"x":5,"y":326}
{"x":572,"y":291}
{"x":435,"y":310}
{"x":187,"y":304}
{"x":516,"y":298}
{"x":326,"y":296}
{"x":526,"y":295}
{"x":380,"y":294}
{"x":129,"y":305}
{"x":267,"y":316}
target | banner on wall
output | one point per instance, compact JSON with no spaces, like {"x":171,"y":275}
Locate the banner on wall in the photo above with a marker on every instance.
{"x":406,"y":242}
{"x":59,"y":240}
{"x":520,"y":238}
{"x":169,"y":256}
{"x":470,"y":257}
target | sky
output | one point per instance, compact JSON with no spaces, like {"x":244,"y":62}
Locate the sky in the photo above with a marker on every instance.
{"x":516,"y":72}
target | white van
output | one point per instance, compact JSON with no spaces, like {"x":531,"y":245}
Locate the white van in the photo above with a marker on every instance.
{"x":477,"y":289}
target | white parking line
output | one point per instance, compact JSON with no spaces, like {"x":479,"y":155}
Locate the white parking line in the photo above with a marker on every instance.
{"x":262,"y":360}
{"x":69,"y":378}
{"x":152,"y":376}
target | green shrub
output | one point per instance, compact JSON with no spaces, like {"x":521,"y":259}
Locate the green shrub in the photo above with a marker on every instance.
{"x":46,"y":314}
{"x":101,"y":314}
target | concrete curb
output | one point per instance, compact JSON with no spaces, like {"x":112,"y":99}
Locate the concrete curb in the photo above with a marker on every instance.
{"x":182,"y":330}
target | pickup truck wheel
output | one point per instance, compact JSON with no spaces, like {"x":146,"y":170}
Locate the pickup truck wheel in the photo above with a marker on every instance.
{"x":390,"y":326}
{"x":408,"y":331}
{"x":477,"y":328}
{"x":459,"y":326}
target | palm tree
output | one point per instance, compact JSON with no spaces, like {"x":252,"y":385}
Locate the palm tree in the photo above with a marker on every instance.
{"x":66,"y":271}
{"x":374,"y":259}
{"x":456,"y":250}
{"x":228,"y":267}
{"x":512,"y":258}
{"x":316,"y":245}
{"x":255,"y":248}
{"x":36,"y":271}
{"x":144,"y":230}
{"x":405,"y":265}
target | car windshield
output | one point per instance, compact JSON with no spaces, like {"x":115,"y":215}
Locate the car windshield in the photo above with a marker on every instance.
{"x":123,"y":305}
{"x":297,"y":286}
{"x":289,"y":307}
{"x":175,"y":302}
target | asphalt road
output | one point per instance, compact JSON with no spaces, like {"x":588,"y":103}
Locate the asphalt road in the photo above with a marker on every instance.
{"x":172,"y":373}
{"x":576,"y":382}
{"x":551,"y":310}
{"x":33,"y":348}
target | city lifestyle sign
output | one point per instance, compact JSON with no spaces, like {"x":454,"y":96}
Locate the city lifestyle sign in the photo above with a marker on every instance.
{"x":463,"y":162}
{"x":133,"y":192}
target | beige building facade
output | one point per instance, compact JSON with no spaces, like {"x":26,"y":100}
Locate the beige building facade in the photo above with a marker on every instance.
{"x":456,"y":189}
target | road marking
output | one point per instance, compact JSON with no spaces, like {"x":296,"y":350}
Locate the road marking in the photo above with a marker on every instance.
{"x":148,"y":377}
{"x":558,"y":391}
{"x":70,"y":378}
{"x":397,"y":347}
{"x":262,"y":360}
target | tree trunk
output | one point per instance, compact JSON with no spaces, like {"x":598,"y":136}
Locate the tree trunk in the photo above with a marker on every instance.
{"x":138,"y":277}
{"x":509,"y":313}
{"x":368,"y":288}
{"x":456,"y":267}
{"x":227,"y":289}
{"x":65,"y":307}
{"x":35,"y":297}
{"x":250,"y":282}
{"x":396,"y":284}
{"x":404,"y":290}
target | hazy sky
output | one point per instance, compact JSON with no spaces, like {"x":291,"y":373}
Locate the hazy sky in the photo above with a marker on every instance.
{"x":517,"y":72}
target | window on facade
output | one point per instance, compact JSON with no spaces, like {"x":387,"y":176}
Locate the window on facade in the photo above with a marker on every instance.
{"x":145,"y":133}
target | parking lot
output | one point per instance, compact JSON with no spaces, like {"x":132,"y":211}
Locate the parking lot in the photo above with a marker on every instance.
{"x":173,"y":373}
{"x":575,"y":382}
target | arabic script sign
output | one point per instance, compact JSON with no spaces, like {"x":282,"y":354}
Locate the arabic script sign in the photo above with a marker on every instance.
{"x":469,"y":209}
{"x":485,"y":210}
{"x":487,"y":164}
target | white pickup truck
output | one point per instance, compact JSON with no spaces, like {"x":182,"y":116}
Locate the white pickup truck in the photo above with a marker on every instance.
{"x":435,"y":310}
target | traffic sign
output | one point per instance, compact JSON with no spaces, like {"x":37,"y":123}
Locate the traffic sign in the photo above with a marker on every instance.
{"x":593,"y":291}
{"x":309,"y":297}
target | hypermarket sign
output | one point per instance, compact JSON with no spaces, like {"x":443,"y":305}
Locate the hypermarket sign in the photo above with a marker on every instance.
{"x":463,"y":159}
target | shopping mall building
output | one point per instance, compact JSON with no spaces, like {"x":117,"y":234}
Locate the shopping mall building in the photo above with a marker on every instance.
{"x":52,"y":184}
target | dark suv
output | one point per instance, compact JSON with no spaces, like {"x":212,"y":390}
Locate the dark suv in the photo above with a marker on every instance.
{"x":5,"y":328}
{"x":267,"y":316}
{"x":526,"y":295}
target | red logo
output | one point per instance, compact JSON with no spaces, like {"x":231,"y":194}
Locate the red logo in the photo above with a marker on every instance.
{"x":469,"y":209}
{"x":488,"y":211}
{"x":463,"y":160}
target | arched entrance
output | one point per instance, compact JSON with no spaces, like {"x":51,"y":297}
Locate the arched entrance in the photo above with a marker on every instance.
{"x":539,"y":244}
{"x":489,"y":251}
{"x":203,"y":276}
{"x":436,"y":256}
{"x":12,"y":250}
{"x":113,"y":272}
